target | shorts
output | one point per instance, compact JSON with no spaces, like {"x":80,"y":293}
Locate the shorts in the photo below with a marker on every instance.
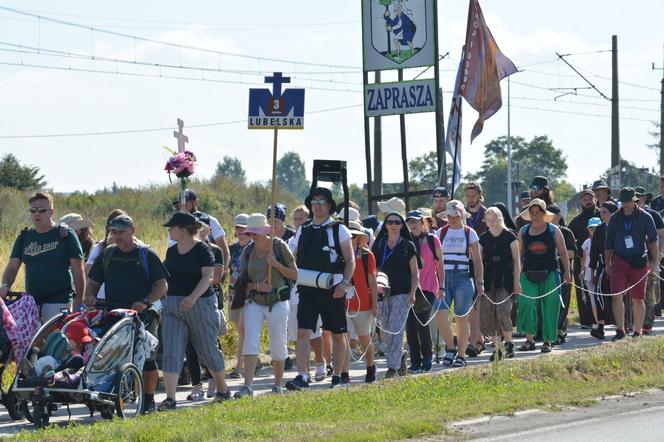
{"x":277,"y":323}
{"x":292,"y":324}
{"x":316,"y":302}
{"x":460,"y":290}
{"x":623,"y":275}
{"x":360,"y":324}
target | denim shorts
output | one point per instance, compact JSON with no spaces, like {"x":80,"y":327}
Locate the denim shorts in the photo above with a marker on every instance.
{"x":460,"y":290}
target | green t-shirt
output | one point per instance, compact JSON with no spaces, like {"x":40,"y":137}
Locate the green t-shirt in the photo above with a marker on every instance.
{"x":125,"y":280}
{"x":47,"y":268}
{"x":257,"y":268}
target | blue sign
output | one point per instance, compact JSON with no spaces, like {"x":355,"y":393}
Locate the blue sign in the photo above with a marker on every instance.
{"x":404,"y":97}
{"x":276,"y":109}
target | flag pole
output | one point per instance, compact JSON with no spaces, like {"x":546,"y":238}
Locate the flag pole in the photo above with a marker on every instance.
{"x":272,"y":208}
{"x":510,"y":199}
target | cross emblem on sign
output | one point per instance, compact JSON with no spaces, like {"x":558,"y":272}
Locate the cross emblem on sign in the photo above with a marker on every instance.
{"x":182,"y":138}
{"x":277,"y":79}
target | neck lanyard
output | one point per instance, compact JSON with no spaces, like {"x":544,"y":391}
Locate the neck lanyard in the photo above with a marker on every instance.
{"x":475,"y":219}
{"x":387,"y":255}
{"x":628,"y":225}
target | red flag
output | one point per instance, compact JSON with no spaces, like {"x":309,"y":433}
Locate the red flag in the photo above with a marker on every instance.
{"x":484,"y":66}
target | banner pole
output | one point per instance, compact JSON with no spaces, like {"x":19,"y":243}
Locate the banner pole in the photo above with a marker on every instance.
{"x":272,"y":208}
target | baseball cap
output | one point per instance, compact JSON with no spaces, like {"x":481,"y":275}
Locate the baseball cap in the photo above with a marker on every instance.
{"x":122,"y":222}
{"x":439,"y":192}
{"x":181,"y":219}
{"x":240,"y":220}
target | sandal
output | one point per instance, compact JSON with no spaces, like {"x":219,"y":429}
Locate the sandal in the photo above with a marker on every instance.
{"x":528,"y":346}
{"x":167,"y":404}
{"x":448,"y":360}
{"x":546,"y":348}
{"x":459,"y":361}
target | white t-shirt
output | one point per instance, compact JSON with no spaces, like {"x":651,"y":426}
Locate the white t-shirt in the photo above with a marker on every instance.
{"x":454,"y":247}
{"x":344,"y":235}
{"x":586,"y":262}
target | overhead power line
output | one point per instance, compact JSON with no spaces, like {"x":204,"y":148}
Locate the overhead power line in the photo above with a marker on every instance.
{"x":166,"y":43}
{"x":158,"y":129}
{"x":587,"y":114}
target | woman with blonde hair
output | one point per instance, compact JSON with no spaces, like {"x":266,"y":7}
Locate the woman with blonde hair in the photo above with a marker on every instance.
{"x":502,"y":269}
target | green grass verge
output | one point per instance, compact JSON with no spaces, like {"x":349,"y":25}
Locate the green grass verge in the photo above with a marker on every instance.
{"x":413,"y":406}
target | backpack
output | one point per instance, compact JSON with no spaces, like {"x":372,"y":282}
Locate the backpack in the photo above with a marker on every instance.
{"x":432,"y":245}
{"x":446,"y":227}
{"x":365,"y":263}
{"x":107,"y":256}
{"x":63,"y":234}
{"x":550,"y":228}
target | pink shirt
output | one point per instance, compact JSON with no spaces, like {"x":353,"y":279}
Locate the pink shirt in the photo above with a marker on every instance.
{"x":428,"y":275}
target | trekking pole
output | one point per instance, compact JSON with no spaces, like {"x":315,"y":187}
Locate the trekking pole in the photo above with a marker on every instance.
{"x":272,"y":208}
{"x":437,"y":346}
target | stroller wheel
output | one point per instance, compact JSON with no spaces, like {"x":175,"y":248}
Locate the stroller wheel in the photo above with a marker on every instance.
{"x":36,"y":412}
{"x":12,"y":404}
{"x":129,"y":400}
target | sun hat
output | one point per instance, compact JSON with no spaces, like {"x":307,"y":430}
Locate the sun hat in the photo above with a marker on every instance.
{"x":628,"y":195}
{"x":240,"y":220}
{"x":122,"y":222}
{"x":610,"y":206}
{"x":454,"y":208}
{"x":75,"y":221}
{"x":394,"y":204}
{"x":353,"y":214}
{"x":600,"y":184}
{"x":181,"y":219}
{"x":539,"y":183}
{"x":356,"y":228}
{"x":594,"y":222}
{"x":321,"y":191}
{"x":640,"y":191}
{"x":548,"y":216}
{"x":257,"y":224}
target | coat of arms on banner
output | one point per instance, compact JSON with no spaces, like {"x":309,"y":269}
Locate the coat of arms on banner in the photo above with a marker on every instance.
{"x":397,"y":31}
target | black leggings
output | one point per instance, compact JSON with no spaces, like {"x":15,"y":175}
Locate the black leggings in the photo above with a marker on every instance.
{"x":418,"y":336}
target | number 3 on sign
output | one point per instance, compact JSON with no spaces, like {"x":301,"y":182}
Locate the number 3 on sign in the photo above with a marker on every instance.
{"x":277,"y":106}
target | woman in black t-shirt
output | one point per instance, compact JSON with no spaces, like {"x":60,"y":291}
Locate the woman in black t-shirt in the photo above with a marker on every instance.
{"x":502,"y":268}
{"x":397,"y":257}
{"x":190,"y":309}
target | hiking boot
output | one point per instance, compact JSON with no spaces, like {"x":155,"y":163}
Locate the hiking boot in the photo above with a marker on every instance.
{"x":415,"y":367}
{"x":196,"y":393}
{"x":298,"y":384}
{"x":150,"y":406}
{"x":345,"y":378}
{"x":403,"y":370}
{"x":212,"y":388}
{"x":244,"y":391}
{"x":288,"y":364}
{"x":509,"y":350}
{"x":620,"y":334}
{"x":320,"y":373}
{"x":167,"y":404}
{"x":235,"y":374}
{"x":336,"y":381}
{"x":390,"y":373}
{"x":597,"y":333}
{"x":371,"y":374}
{"x":427,"y":364}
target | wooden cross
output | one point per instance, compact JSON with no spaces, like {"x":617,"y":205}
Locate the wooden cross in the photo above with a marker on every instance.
{"x":182,"y":138}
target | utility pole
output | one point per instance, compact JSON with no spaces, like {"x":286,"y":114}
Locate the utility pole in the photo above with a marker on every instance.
{"x":440,"y":125}
{"x":377,"y":188}
{"x":661,"y":121}
{"x":615,"y":117}
{"x":510,"y":205}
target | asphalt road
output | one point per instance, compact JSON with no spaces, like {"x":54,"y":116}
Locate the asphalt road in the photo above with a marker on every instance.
{"x":577,"y":338}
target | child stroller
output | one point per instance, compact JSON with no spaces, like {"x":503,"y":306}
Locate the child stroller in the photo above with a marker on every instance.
{"x":109,"y":382}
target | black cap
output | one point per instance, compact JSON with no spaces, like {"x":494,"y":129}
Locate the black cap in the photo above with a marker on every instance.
{"x":202,"y":217}
{"x":182,"y":219}
{"x":189,"y":196}
{"x":554,"y":208}
{"x":324,"y":192}
{"x":600,"y":184}
{"x":540,"y":182}
{"x":525,"y":196}
{"x":627,"y":195}
{"x":122,"y":222}
{"x":371,"y":222}
{"x":610,"y":206}
{"x":439,"y":192}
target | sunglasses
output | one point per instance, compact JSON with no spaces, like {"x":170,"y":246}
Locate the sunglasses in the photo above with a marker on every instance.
{"x":393,"y":222}
{"x":319,"y":202}
{"x":39,"y":210}
{"x":535,"y":188}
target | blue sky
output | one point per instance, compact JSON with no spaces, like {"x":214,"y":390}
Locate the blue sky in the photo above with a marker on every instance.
{"x":48,"y":101}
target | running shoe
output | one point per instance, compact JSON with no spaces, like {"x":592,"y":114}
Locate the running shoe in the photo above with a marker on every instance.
{"x":221,"y":397}
{"x":196,"y":394}
{"x":336,"y":381}
{"x":597,"y":333}
{"x":345,"y":378}
{"x":167,"y":404}
{"x":235,"y":374}
{"x":244,"y":391}
{"x":390,"y":373}
{"x":277,"y":389}
{"x":427,"y":364}
{"x":320,"y":373}
{"x":298,"y":384}
{"x":620,"y":334}
{"x":371,"y":374}
{"x":150,"y":407}
{"x":415,"y":367}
